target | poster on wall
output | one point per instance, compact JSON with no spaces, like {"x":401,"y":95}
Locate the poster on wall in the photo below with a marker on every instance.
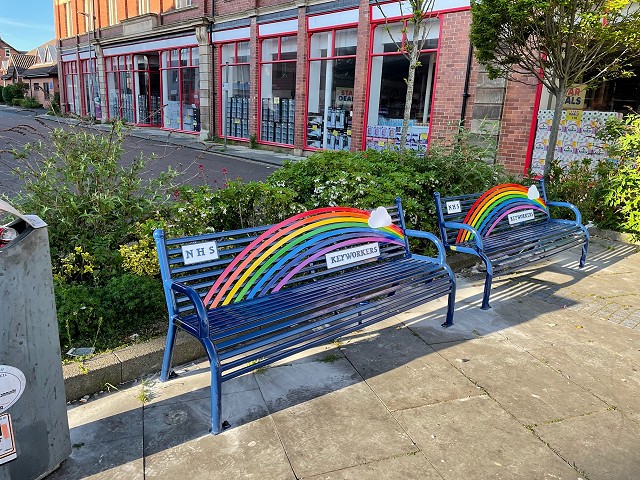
{"x":577,"y":137}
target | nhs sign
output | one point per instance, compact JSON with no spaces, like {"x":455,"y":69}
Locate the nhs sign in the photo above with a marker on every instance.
{"x":199,"y":252}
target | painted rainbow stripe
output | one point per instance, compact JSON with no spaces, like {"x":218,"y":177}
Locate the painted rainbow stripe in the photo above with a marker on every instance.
{"x":494,"y":205}
{"x":275,"y":256}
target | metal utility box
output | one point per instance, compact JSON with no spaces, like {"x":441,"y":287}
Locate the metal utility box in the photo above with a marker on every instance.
{"x":34,"y":430}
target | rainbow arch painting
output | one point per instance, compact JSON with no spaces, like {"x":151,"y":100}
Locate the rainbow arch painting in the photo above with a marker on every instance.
{"x":497,"y":203}
{"x":275,"y":256}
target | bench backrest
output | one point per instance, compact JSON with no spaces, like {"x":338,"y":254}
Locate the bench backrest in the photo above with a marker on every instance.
{"x":501,"y":208}
{"x":236,"y":265}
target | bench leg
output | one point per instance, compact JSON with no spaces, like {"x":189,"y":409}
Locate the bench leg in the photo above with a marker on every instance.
{"x":452,"y":299}
{"x":168,"y":352}
{"x":216,"y":387}
{"x":487,"y":283}
{"x":585,"y":247}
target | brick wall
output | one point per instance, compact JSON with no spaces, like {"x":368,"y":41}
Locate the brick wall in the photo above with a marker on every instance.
{"x":301,"y":82}
{"x":253,"y":80}
{"x":517,"y":115}
{"x":230,"y":7}
{"x":452,"y":63}
{"x":361,"y":77}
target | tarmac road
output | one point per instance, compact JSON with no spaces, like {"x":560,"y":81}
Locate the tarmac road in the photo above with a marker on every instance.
{"x":18,"y":127}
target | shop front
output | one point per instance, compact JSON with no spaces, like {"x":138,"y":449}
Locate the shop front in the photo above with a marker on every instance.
{"x":277,"y":86}
{"x":388,"y":71}
{"x":155,"y":84}
{"x":72,"y":86}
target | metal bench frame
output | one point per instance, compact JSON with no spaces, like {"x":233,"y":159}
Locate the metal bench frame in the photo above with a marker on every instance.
{"x":502,"y":247}
{"x":269,"y":294}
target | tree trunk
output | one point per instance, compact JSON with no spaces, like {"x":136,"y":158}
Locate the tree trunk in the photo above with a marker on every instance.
{"x":555,"y":127}
{"x":414,"y":54}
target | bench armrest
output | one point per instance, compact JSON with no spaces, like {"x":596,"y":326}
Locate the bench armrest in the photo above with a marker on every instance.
{"x":476,"y":235}
{"x":429,"y":236}
{"x":192,"y":295}
{"x":570,"y":206}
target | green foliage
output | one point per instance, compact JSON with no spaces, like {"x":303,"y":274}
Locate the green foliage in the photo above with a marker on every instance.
{"x":30,"y":102}
{"x":105,"y":316}
{"x":54,"y":108}
{"x":16,"y":102}
{"x":89,"y":197}
{"x":1,"y":98}
{"x":15,"y":90}
{"x":371,"y":178}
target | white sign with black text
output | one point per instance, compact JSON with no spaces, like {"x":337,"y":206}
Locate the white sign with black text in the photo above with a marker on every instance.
{"x":340,"y":258}
{"x":12,"y":384}
{"x":454,"y":207}
{"x":520,"y":217}
{"x":199,"y":252}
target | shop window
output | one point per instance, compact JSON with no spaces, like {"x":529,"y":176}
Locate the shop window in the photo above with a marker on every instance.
{"x":120,"y":87}
{"x":234,"y":74}
{"x":181,"y":89}
{"x":330,"y":93}
{"x":388,"y":88}
{"x":72,"y":87}
{"x":277,"y":89}
{"x":90,"y":86}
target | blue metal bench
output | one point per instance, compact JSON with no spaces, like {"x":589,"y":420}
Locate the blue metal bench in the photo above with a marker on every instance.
{"x":508,"y":227}
{"x":258,"y":295}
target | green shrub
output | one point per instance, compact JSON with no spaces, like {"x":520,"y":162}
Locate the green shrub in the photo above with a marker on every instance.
{"x":30,"y":102}
{"x":80,"y":186}
{"x":105,"y":316}
{"x":16,"y":102}
{"x":15,"y":90}
{"x":372,"y":178}
{"x":1,"y":99}
{"x":54,"y":107}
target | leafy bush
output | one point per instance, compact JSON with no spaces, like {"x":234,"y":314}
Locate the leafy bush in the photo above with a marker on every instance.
{"x":1,"y":99}
{"x":15,"y":90}
{"x":81,"y":187}
{"x":30,"y":102}
{"x":372,"y":178}
{"x":16,"y":102}
{"x":105,"y":316}
{"x":54,"y":107}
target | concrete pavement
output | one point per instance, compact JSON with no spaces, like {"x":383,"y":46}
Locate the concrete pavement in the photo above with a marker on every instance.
{"x":543,"y":386}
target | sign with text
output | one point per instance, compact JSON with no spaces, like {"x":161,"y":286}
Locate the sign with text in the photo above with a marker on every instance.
{"x":12,"y":384}
{"x":454,"y":207}
{"x":575,"y":97}
{"x":344,"y":97}
{"x":340,"y":258}
{"x":199,"y":252}
{"x":520,"y":217}
{"x":7,"y":442}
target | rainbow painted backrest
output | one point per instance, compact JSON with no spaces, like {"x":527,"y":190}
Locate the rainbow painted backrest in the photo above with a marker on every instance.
{"x":499,"y":209}
{"x":243,"y":264}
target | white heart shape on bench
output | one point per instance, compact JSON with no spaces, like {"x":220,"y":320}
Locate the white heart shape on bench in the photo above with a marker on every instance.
{"x":379,"y":218}
{"x":533,"y":193}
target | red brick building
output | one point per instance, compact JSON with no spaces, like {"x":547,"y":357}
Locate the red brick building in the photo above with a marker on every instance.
{"x":296,"y":75}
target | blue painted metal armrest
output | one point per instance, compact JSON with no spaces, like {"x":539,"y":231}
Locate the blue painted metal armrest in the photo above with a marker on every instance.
{"x":197,"y":304}
{"x":476,"y":235}
{"x":442,"y":257}
{"x":573,"y":208}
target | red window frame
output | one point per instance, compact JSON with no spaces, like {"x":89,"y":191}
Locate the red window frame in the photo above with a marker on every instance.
{"x":70,"y":69}
{"x":112,"y":65}
{"x":221,"y":65}
{"x":261,"y":62}
{"x":85,"y":70}
{"x":180,"y":69}
{"x":310,"y":59}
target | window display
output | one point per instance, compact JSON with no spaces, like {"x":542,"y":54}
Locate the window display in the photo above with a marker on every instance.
{"x":72,"y":87}
{"x":120,"y":88}
{"x":388,"y":88}
{"x":277,"y":89}
{"x":331,"y":82}
{"x":234,"y":73}
{"x":180,"y":88}
{"x":90,"y":86}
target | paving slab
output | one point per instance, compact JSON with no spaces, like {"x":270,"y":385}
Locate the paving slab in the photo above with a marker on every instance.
{"x":413,"y":466}
{"x":604,"y":445}
{"x":106,"y":439}
{"x":612,"y":377}
{"x":328,"y":418}
{"x":177,"y":440}
{"x":526,"y":387}
{"x":476,"y":439}
{"x":404,"y":371}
